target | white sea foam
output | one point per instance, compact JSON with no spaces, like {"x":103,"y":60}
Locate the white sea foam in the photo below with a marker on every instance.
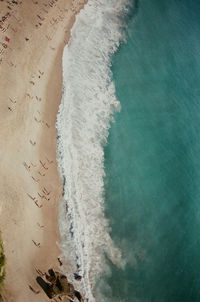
{"x":86,"y":109}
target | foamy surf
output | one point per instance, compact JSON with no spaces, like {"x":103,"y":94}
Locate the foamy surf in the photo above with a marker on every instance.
{"x":83,"y":121}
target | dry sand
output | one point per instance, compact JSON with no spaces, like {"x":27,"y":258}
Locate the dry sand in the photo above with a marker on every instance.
{"x":34,"y":32}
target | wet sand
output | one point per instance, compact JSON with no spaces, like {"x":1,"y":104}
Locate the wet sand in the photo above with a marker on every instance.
{"x":32,"y":35}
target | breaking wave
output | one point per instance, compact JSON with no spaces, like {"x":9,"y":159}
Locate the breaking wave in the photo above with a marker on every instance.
{"x":88,"y":103}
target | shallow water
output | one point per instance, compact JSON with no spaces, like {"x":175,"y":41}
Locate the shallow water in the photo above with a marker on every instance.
{"x":152,"y":160}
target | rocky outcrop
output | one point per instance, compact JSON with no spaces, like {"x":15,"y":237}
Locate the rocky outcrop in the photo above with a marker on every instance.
{"x":57,"y":285}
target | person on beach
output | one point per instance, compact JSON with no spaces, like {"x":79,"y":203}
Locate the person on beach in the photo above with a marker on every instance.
{"x":33,"y":290}
{"x":14,"y":102}
{"x":28,"y":167}
{"x":36,"y":180}
{"x":41,"y":226}
{"x":32,"y":143}
{"x":33,"y":198}
{"x":36,"y":244}
{"x":77,"y":277}
{"x":39,"y":206}
{"x":60,"y":262}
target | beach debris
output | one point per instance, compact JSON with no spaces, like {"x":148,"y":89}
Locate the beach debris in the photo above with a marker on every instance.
{"x":27,"y":39}
{"x":33,"y":290}
{"x":9,"y":108}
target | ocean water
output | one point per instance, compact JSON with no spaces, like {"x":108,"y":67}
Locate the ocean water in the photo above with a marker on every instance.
{"x":130,"y":214}
{"x":152,"y":159}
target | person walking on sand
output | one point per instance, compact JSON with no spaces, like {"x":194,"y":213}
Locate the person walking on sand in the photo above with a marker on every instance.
{"x":36,"y":244}
{"x":60,"y":262}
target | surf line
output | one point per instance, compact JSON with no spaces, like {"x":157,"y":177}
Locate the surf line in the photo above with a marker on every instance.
{"x":83,"y":121}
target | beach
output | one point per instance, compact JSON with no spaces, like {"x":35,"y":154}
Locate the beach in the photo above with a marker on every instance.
{"x":32,"y":35}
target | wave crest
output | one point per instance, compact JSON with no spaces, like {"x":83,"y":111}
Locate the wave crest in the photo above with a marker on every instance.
{"x":88,"y":103}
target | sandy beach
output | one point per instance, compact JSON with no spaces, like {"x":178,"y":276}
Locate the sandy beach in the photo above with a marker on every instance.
{"x":32,"y":35}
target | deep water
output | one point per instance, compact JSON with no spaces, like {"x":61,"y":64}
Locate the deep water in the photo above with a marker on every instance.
{"x":152,"y":159}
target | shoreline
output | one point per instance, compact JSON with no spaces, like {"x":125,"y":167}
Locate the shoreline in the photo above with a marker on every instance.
{"x":86,"y":111}
{"x":31,"y":186}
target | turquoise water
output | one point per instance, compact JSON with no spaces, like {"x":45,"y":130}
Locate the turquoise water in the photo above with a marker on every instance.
{"x":152,"y":160}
